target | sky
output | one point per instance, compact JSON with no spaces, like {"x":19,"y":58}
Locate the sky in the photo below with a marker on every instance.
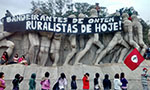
{"x":24,"y":6}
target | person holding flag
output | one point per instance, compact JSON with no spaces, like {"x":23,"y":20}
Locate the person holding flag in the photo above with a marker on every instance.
{"x":144,"y":77}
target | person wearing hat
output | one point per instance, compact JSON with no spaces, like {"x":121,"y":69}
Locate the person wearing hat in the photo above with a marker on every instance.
{"x":144,"y":77}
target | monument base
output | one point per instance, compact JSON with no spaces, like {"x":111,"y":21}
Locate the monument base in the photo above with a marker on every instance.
{"x":133,"y":77}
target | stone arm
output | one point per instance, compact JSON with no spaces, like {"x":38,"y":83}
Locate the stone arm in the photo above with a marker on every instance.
{"x":96,"y":38}
{"x":4,"y":34}
{"x":130,"y":32}
{"x":140,"y":33}
{"x":72,"y":40}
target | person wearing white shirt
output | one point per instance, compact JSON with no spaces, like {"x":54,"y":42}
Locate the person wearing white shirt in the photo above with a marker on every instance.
{"x":62,"y":81}
{"x":117,"y":82}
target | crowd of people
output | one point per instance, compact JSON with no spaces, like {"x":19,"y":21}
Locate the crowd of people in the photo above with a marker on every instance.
{"x":119,"y":82}
{"x":16,"y":59}
{"x":61,"y":83}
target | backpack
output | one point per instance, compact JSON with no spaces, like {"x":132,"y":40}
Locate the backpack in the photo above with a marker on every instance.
{"x":56,"y":86}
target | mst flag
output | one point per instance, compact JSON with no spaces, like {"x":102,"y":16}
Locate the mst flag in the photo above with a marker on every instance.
{"x":134,"y":59}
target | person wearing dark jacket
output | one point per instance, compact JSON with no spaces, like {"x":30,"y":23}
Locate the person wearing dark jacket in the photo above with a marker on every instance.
{"x":73,"y":83}
{"x":106,"y":83}
{"x":18,"y":79}
{"x":32,"y":83}
{"x":96,"y":83}
{"x":123,"y":81}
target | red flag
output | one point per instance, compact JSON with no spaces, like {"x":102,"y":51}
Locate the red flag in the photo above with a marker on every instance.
{"x":134,"y":59}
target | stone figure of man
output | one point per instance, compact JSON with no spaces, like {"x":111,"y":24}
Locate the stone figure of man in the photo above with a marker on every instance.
{"x":6,"y":43}
{"x":45,"y":38}
{"x":138,"y":36}
{"x":73,"y":43}
{"x":34,"y":47}
{"x":93,"y":40}
{"x":116,"y":40}
{"x":55,"y":47}
{"x":39,"y":45}
{"x":128,"y":31}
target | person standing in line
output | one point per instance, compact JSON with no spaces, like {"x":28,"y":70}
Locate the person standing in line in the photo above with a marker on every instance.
{"x":73,"y":83}
{"x":32,"y":83}
{"x":144,"y":77}
{"x":117,"y":82}
{"x":106,"y":82}
{"x":123,"y":81}
{"x":85,"y":80}
{"x":62,"y":81}
{"x":2,"y":82}
{"x":96,"y":83}
{"x":18,"y":79}
{"x":45,"y":82}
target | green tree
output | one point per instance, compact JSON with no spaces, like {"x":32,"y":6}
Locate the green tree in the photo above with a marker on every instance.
{"x":146,"y":27}
{"x":60,"y":5}
{"x":51,"y":8}
{"x":82,"y":7}
{"x":64,"y":8}
{"x":130,"y":11}
{"x":79,"y":8}
{"x":45,"y":7}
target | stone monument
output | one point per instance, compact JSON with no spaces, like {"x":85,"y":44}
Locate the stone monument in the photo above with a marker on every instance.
{"x":102,"y":53}
{"x":51,"y":49}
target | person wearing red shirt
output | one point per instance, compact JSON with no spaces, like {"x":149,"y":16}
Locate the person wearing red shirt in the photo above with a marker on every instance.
{"x":85,"y":80}
{"x":4,"y":58}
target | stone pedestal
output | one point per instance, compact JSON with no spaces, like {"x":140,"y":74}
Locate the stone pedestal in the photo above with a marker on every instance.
{"x":133,"y":77}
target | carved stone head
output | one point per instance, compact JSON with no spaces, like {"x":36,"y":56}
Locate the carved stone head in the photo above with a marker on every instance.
{"x":93,"y":13}
{"x":125,"y":16}
{"x":134,"y":17}
{"x":72,"y":16}
{"x":37,"y":11}
{"x":117,"y":14}
{"x":81,"y":15}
